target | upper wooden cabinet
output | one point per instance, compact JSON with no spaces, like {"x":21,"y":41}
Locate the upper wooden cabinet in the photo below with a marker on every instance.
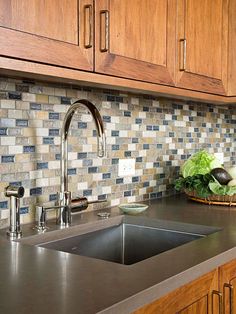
{"x":202,"y":30}
{"x":136,"y":39}
{"x":57,"y":32}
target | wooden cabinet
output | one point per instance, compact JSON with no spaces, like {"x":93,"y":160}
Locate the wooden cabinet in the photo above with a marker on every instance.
{"x":227,"y":275}
{"x":213,"y":293}
{"x":202,"y":30}
{"x":197,"y":297}
{"x":57,"y":32}
{"x":136,"y":39}
{"x":172,"y":47}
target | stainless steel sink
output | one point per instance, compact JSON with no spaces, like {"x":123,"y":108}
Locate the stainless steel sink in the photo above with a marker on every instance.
{"x":131,"y":241}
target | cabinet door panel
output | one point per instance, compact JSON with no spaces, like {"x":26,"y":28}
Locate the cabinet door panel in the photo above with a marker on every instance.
{"x":141,"y":39}
{"x":193,"y":298}
{"x":50,"y":32}
{"x":202,"y":39}
{"x":228,"y":276}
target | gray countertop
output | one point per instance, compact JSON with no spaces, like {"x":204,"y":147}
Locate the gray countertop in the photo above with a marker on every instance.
{"x":36,"y":280}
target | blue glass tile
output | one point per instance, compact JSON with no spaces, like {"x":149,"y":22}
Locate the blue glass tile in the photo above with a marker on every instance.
{"x":42,"y":165}
{"x":127,"y":113}
{"x":53,"y":132}
{"x":180,"y":140}
{"x":191,"y":119}
{"x":119,"y":99}
{"x":111,"y":98}
{"x":115,"y":133}
{"x":35,"y":106}
{"x":106,"y":118}
{"x":65,"y":100}
{"x":159,"y":146}
{"x":127,"y":154}
{"x":135,"y":179}
{"x":169,"y":163}
{"x":82,"y":155}
{"x":8,"y":158}
{"x":134,"y":140}
{"x":29,"y":149}
{"x":92,"y":169}
{"x":174,"y":151}
{"x":94,"y":133}
{"x":156,"y":164}
{"x":145,"y":146}
{"x":115,"y":161}
{"x":115,"y":147}
{"x":155,"y":128}
{"x":165,"y":122}
{"x":4,"y":204}
{"x":138,"y":121}
{"x":162,"y":175}
{"x":15,"y":95}
{"x":71,"y":171}
{"x":16,"y":183}
{"x":24,"y":210}
{"x":36,"y":191}
{"x":48,"y":140}
{"x":196,"y":129}
{"x":53,"y":115}
{"x":149,"y":127}
{"x":146,"y":184}
{"x":87,"y":192}
{"x":102,"y":197}
{"x":106,"y":175}
{"x":146,"y":109}
{"x":3,"y":131}
{"x":139,"y":159}
{"x":82,"y":125}
{"x":119,"y":180}
{"x":174,"y":117}
{"x":127,"y":193}
{"x":58,"y":156}
{"x":22,"y":123}
{"x":171,"y":134}
{"x":188,"y":134}
{"x":53,"y":197}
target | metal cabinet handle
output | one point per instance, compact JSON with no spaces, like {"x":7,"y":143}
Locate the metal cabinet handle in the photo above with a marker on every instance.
{"x":104,"y":30}
{"x":88,"y":25}
{"x":231,"y":299}
{"x":183,"y":46}
{"x":219,"y":295}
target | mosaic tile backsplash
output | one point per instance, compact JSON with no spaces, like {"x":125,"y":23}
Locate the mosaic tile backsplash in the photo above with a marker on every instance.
{"x":160,"y":134}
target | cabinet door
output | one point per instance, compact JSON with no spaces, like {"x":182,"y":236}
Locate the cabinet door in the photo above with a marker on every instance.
{"x":57,"y":32}
{"x":228,"y":286}
{"x":193,"y":298}
{"x":136,"y":39}
{"x":202,"y":45}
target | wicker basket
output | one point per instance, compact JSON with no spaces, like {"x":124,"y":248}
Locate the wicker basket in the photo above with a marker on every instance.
{"x":224,"y":200}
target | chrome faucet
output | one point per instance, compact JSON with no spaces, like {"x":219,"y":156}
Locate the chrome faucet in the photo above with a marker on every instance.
{"x":64,"y":208}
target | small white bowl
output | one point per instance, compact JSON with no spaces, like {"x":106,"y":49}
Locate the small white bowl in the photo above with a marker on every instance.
{"x":133,"y":208}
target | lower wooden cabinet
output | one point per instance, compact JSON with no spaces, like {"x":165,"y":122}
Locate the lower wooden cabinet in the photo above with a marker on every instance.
{"x":213,"y":293}
{"x":227,"y":280}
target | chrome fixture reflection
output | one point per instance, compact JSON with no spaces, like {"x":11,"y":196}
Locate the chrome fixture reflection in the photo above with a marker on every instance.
{"x":64,"y":216}
{"x":15,"y":193}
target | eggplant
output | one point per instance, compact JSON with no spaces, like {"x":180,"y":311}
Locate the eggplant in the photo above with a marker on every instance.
{"x":221,"y":175}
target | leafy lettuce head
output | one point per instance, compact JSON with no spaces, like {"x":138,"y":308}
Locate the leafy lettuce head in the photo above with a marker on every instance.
{"x":200,"y":163}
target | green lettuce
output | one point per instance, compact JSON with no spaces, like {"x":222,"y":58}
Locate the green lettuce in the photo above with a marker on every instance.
{"x":219,"y":189}
{"x":200,"y":163}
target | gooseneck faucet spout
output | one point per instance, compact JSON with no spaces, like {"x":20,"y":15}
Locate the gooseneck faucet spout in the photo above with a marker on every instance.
{"x":64,"y":216}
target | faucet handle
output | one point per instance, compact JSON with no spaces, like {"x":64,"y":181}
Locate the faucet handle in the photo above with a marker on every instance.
{"x":41,"y":216}
{"x":81,"y":203}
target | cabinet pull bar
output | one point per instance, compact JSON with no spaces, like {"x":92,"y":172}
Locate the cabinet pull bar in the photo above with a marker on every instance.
{"x":231,"y":299}
{"x":104,"y":30}
{"x":183,"y":46}
{"x":88,"y":26}
{"x":219,"y":295}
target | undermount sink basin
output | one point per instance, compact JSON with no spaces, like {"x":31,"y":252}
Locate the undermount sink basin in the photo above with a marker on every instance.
{"x":132,"y":240}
